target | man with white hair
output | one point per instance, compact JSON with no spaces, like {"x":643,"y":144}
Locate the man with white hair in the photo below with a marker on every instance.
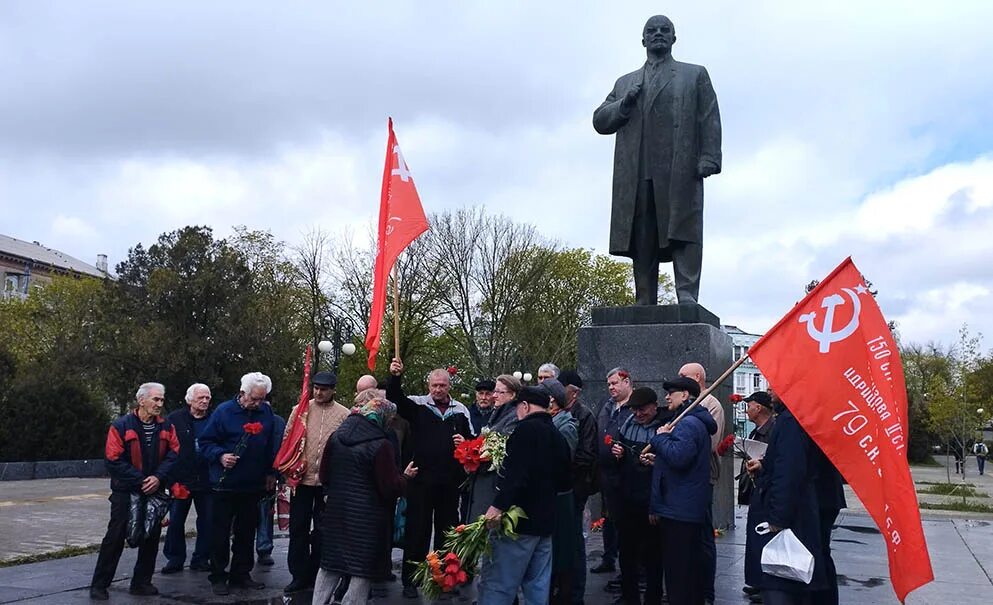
{"x":546,"y":371}
{"x":438,"y":423}
{"x":192,"y":473}
{"x":239,"y":444}
{"x":140,"y":453}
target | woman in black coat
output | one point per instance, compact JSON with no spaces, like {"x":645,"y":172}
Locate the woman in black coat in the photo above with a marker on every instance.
{"x":785,"y":497}
{"x":362,"y":482}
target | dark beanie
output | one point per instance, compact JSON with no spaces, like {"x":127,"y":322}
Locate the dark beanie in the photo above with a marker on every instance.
{"x":534,"y":395}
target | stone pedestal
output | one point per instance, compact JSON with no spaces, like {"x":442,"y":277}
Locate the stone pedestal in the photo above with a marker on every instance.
{"x":653,"y":343}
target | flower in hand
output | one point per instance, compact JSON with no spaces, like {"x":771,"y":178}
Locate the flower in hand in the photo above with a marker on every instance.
{"x":725,"y":444}
{"x":252,"y":428}
{"x":735,"y":398}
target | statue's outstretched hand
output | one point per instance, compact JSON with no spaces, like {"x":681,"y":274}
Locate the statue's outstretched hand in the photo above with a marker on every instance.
{"x":706,"y":168}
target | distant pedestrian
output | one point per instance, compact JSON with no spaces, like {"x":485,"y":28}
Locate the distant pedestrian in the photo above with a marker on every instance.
{"x":981,"y":451}
{"x":141,"y":450}
{"x":192,"y":472}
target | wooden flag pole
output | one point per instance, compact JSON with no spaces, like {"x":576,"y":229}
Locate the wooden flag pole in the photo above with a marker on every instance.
{"x":396,"y":313}
{"x":705,"y":393}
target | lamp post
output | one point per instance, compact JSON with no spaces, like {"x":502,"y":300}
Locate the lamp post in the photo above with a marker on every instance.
{"x":518,"y":375}
{"x":338,"y":344}
{"x":527,"y":377}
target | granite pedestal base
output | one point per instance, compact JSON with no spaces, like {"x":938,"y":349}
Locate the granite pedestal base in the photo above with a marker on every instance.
{"x":652,"y":343}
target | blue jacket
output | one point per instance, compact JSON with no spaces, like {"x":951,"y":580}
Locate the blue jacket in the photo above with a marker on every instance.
{"x":222,"y":434}
{"x":681,"y":488}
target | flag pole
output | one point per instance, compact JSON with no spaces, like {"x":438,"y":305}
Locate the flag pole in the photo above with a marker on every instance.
{"x":704,"y":394}
{"x":396,"y":312}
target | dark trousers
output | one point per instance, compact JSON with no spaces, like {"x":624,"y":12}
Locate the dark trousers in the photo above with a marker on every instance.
{"x":687,"y":257}
{"x":175,"y":542}
{"x":236,"y":517}
{"x":579,"y":564}
{"x":828,"y":596}
{"x":306,"y":508}
{"x":427,"y":503}
{"x":682,"y":560}
{"x":640,"y":548}
{"x":709,"y":556}
{"x":113,"y":545}
{"x":781,"y":597}
{"x":981,"y":463}
{"x":609,"y":532}
{"x":265,"y":531}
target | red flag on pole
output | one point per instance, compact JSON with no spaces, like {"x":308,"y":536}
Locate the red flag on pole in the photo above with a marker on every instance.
{"x":401,"y":221}
{"x":833,"y":360}
{"x":289,"y":459}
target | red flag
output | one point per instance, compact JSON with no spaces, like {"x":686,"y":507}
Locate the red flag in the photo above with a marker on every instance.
{"x":401,"y":221}
{"x":289,"y":459}
{"x":833,"y":360}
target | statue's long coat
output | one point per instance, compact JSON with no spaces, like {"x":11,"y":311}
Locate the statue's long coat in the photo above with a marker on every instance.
{"x":683,"y":127}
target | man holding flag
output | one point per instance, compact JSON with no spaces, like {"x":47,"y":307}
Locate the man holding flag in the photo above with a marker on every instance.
{"x":834,"y":362}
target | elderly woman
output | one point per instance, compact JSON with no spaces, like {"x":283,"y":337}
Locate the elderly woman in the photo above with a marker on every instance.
{"x":362,"y":482}
{"x":502,"y":420}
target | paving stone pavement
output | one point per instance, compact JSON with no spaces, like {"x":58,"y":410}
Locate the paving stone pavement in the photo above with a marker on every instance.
{"x":37,"y":515}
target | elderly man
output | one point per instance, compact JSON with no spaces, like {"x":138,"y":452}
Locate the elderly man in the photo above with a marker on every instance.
{"x":640,"y":542}
{"x":322,"y":417}
{"x":681,"y":491}
{"x":547,"y":370}
{"x":668,"y":140}
{"x":479,"y":414}
{"x":583,"y":472}
{"x":612,"y":414}
{"x":141,"y":451}
{"x":190,"y":471}
{"x":535,"y":470}
{"x":239,"y":443}
{"x":696,"y":373}
{"x":438,"y":423}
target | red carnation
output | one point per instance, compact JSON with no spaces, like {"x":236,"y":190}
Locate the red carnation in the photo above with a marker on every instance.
{"x":252,"y":428}
{"x":179,"y":491}
{"x":725,"y":445}
{"x":735,"y":398}
{"x":608,"y":440}
{"x":452,"y":370}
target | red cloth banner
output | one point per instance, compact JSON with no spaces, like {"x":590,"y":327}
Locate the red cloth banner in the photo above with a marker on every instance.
{"x":401,"y":221}
{"x":289,"y":459}
{"x":834,"y":362}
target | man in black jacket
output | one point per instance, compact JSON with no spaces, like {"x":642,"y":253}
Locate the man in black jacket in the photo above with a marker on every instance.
{"x":584,"y":480}
{"x":535,"y":469}
{"x":192,"y":473}
{"x":610,"y":416}
{"x":438,"y":423}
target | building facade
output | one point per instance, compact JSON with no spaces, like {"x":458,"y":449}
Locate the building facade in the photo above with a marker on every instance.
{"x":747,"y":377}
{"x":26,"y":265}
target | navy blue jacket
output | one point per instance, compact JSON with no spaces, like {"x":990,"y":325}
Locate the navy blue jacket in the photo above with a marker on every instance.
{"x":786,"y":496}
{"x":608,"y":421}
{"x":221,"y":436}
{"x":681,"y":488}
{"x":191,"y":468}
{"x":129,"y":460}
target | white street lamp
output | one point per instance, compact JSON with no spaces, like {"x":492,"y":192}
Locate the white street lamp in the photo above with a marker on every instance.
{"x":518,"y":375}
{"x":325,"y":346}
{"x":527,"y":376}
{"x":348,"y":349}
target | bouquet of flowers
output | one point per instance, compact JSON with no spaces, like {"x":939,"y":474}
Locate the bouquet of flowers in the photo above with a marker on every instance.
{"x":597,"y":525}
{"x":248,"y":429}
{"x":490,"y":446}
{"x":445,"y":570}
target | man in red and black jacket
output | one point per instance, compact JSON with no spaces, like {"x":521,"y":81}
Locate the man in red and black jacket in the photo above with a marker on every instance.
{"x":141,"y":450}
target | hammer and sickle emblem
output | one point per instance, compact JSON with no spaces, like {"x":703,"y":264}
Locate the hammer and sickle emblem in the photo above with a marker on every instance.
{"x":827,"y":334}
{"x":389,"y":224}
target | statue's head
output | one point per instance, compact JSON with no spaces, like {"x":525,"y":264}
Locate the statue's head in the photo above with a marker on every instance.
{"x":659,"y":35}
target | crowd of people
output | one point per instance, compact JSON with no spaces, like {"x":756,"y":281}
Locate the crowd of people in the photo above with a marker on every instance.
{"x":381,"y":473}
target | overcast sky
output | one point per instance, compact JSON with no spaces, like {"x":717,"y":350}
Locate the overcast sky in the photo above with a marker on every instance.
{"x":850,"y":128}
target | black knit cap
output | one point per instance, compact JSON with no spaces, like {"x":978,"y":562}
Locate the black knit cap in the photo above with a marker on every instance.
{"x":534,"y":395}
{"x":682,"y":383}
{"x":642,"y":396}
{"x":571,"y":378}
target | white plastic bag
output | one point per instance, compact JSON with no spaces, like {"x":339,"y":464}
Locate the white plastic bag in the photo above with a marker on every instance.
{"x":785,"y":556}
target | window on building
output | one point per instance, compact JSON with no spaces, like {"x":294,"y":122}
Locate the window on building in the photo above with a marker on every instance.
{"x":11,"y":282}
{"x":740,"y":383}
{"x":757,"y":381}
